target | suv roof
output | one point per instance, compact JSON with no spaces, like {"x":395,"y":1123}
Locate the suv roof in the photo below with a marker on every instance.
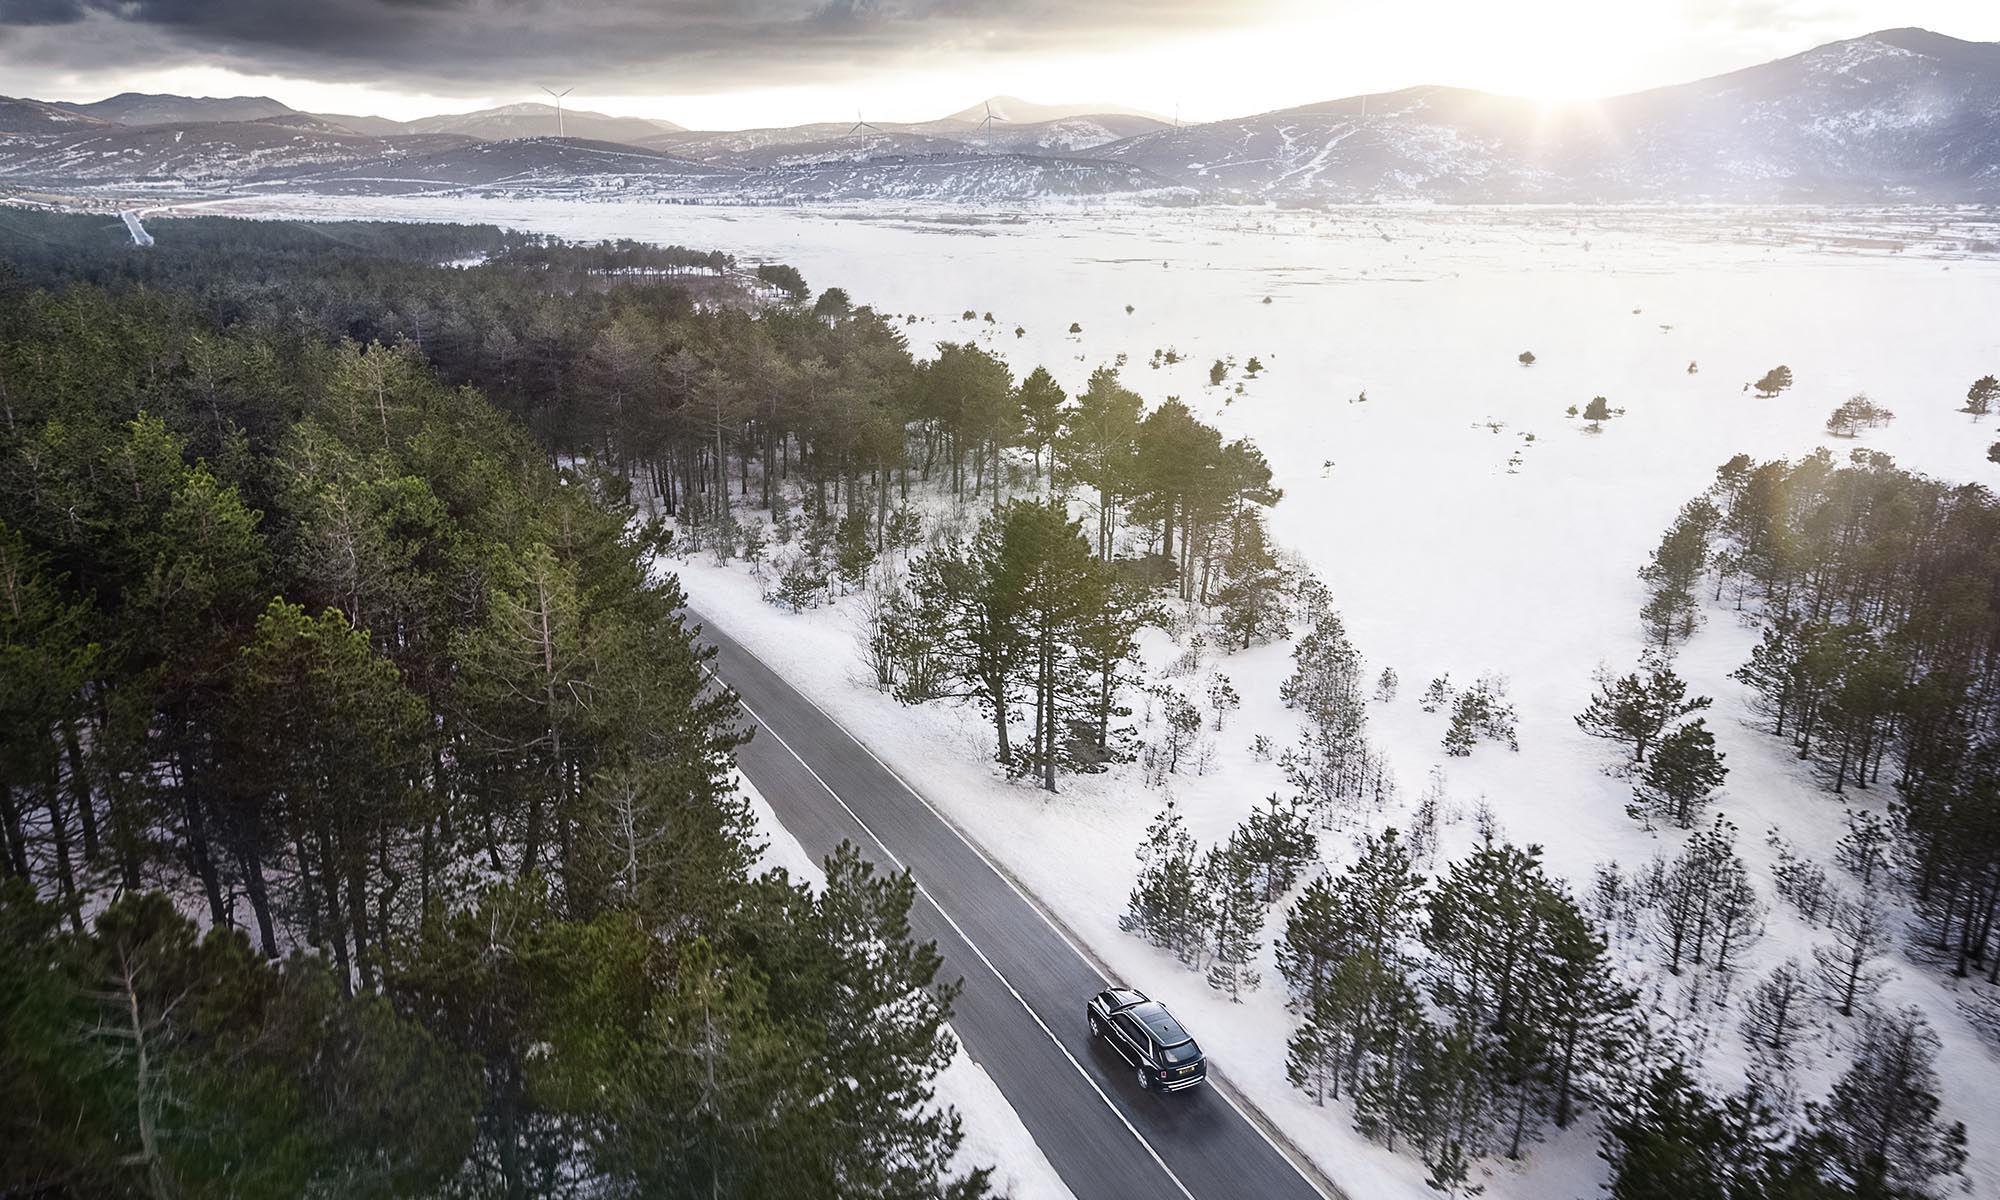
{"x":1124,"y":998}
{"x":1160,"y":1023}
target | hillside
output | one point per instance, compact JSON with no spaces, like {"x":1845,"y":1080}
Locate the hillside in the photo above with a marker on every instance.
{"x":1898,"y":114}
{"x":1901,"y":115}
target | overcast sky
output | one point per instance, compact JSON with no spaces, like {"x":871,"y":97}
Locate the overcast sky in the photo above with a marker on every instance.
{"x":721,"y":64}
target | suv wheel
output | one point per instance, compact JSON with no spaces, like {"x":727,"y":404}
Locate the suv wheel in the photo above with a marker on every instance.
{"x":1096,"y":1030}
{"x":1145,"y":1080}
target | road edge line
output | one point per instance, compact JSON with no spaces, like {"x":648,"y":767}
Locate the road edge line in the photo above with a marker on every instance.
{"x":1246,"y":1108}
{"x":963,"y":936}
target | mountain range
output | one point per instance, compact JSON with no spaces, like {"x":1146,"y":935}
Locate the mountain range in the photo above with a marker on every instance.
{"x":1899,"y":115}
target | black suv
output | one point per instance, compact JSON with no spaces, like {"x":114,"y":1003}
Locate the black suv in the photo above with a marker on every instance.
{"x":1146,"y":1035}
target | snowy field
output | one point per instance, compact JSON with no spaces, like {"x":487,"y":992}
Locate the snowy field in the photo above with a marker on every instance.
{"x":1451,"y":540}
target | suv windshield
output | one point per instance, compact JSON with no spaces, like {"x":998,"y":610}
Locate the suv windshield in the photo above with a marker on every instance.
{"x":1184,"y":1053}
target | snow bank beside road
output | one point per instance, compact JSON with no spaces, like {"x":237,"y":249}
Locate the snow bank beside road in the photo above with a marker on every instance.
{"x":994,"y":1136}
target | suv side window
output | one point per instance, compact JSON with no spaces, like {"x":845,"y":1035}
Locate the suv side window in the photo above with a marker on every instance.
{"x":1134,"y":1032}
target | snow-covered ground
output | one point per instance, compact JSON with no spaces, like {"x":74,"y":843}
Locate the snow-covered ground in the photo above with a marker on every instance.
{"x":1452,"y":542}
{"x":994,"y":1136}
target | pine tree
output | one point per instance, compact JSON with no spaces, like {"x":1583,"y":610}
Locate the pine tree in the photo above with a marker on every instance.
{"x":1980,"y":396}
{"x":1586,"y":1007}
{"x":1670,"y":1141}
{"x":1278,"y":842}
{"x":1318,"y":935}
{"x":1880,"y":1122}
{"x":1635,"y":710}
{"x":1041,"y":404}
{"x":1169,"y":905}
{"x":1442,"y":1104}
{"x":1705,"y":908}
{"x":1777,"y":1016}
{"x":1845,"y":969}
{"x":1682,"y":774}
{"x":1775,"y":380}
{"x":1252,"y":595}
{"x":1864,"y":848}
{"x":1236,"y":915}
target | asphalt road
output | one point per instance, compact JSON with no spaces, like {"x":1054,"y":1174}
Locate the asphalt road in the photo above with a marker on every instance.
{"x":1020,"y":1015}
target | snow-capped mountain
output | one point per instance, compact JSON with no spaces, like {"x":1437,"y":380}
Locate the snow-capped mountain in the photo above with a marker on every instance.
{"x":1902,"y":114}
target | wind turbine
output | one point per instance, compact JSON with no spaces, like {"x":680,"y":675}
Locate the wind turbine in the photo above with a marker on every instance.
{"x":860,"y":125}
{"x":986,"y":125}
{"x":559,"y":99}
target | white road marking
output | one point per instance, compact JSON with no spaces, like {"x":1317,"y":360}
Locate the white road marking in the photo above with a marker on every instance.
{"x":1256,"y":1123}
{"x":963,"y":936}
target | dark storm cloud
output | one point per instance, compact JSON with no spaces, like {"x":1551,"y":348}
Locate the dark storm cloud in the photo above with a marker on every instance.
{"x":683,"y":43}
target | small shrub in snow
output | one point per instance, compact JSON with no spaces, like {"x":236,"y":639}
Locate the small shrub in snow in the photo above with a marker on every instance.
{"x":1526,"y":358}
{"x":1222,"y":696}
{"x":1183,"y":726}
{"x":905,"y":531}
{"x":1481,"y":711}
{"x":1385,"y":685}
{"x":1075,"y":327}
{"x":802,"y":586}
{"x":784,"y":525}
{"x":1260,"y":747}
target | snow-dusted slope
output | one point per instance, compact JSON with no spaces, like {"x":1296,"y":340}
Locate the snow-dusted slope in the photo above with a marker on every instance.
{"x":141,"y":108}
{"x":539,"y":120}
{"x":207,"y":154}
{"x":537,"y":166}
{"x":1902,"y":113}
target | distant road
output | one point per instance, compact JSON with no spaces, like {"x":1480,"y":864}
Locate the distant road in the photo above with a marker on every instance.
{"x":1021,"y":1013}
{"x":139,"y":235}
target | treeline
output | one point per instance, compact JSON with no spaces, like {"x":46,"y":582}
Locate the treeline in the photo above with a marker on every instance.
{"x":300,"y":637}
{"x":1879,"y":659}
